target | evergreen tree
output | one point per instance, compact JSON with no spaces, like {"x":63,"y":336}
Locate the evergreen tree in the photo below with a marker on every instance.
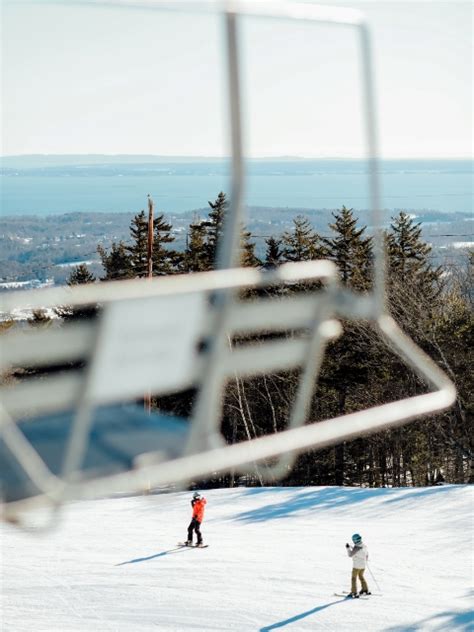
{"x":408,"y":257}
{"x":214,"y":226}
{"x":79,"y":276}
{"x":273,"y":254}
{"x":163,"y":259}
{"x":414,"y":286}
{"x":138,"y":250}
{"x":347,"y":365}
{"x":248,"y":259}
{"x":359,"y":371}
{"x":303,"y":243}
{"x":453,"y":335}
{"x":131,"y":260}
{"x":349,"y":250}
{"x":195,"y":254}
{"x":116,"y":262}
{"x":464,"y":278}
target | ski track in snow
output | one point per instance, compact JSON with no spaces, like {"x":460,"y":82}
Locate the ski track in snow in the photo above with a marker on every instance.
{"x":276,"y":558}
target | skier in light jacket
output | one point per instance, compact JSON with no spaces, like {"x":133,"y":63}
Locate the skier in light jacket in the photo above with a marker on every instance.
{"x":360,"y":555}
{"x":197,"y":503}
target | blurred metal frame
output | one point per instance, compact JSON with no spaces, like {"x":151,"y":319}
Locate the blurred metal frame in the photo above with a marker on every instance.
{"x":205,"y":451}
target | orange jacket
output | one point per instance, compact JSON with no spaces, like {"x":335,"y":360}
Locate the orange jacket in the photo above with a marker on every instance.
{"x":198,"y":508}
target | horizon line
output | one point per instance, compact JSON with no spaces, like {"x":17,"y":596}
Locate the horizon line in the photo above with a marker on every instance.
{"x":227,"y":157}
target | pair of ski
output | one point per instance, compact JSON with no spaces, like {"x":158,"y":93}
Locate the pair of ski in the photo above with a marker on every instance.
{"x":193,"y":546}
{"x":347,"y":595}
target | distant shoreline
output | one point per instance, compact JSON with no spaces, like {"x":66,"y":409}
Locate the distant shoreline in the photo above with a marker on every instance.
{"x":44,"y":160}
{"x":435,"y":216}
{"x":44,"y":186}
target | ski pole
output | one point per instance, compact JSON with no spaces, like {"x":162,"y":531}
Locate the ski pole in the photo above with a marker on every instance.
{"x":372,"y":575}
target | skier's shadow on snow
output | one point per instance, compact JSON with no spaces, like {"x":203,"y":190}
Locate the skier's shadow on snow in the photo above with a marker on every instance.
{"x":152,"y":557}
{"x":297,"y":617}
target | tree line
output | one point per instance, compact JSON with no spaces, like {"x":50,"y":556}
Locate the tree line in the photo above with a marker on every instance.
{"x":432,"y":305}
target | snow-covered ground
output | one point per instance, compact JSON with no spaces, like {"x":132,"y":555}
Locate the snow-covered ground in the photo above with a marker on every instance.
{"x":275,"y":559}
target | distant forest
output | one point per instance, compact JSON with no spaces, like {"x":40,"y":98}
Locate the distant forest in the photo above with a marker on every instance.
{"x":48,"y":247}
{"x":431,"y":303}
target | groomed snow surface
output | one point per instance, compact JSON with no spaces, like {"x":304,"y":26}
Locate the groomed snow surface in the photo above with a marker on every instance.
{"x":275,"y":560}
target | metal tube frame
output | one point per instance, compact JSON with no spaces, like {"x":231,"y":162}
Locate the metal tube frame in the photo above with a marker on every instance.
{"x":206,"y":451}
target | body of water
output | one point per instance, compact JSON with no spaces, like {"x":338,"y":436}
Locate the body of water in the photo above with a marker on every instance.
{"x":440,"y":185}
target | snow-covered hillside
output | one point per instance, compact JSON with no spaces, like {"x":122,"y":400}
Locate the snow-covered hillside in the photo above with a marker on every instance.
{"x":275,"y":559}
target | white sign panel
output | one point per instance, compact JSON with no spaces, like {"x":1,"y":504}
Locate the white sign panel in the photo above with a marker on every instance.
{"x":147,"y":345}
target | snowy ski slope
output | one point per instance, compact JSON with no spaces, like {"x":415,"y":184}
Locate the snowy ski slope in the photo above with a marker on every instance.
{"x":275,"y":559}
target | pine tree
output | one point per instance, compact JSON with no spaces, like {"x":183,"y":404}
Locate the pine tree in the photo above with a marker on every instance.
{"x":409,"y":257}
{"x":273,"y":254}
{"x":348,"y":362}
{"x":414,"y":286}
{"x":195,"y":254}
{"x":248,"y":259}
{"x":214,"y":226}
{"x":303,"y":243}
{"x":162,"y":258}
{"x":454,"y":336}
{"x":349,"y":250}
{"x":138,"y":249}
{"x":79,"y":276}
{"x":413,"y":298}
{"x":116,"y":262}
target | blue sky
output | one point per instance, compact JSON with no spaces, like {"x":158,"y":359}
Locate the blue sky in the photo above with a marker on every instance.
{"x":82,"y":79}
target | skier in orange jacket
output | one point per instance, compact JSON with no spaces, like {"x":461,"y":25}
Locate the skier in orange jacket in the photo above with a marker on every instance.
{"x":198,"y":502}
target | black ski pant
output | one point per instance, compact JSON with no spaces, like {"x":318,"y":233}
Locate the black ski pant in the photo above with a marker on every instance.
{"x":194,"y":525}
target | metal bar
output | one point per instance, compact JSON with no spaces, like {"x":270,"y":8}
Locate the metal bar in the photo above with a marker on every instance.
{"x":241,"y":278}
{"x":270,"y":356}
{"x":27,"y":457}
{"x":34,"y":396}
{"x":205,"y":452}
{"x":205,"y":428}
{"x":228,"y":254}
{"x":38,"y":347}
{"x":314,"y":355}
{"x":77,"y":441}
{"x":316,"y":436}
{"x":416,"y":359}
{"x":370,"y":121}
{"x":274,"y":314}
{"x":279,"y":10}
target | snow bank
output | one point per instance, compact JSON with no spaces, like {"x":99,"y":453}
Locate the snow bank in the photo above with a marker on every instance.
{"x":275,"y":559}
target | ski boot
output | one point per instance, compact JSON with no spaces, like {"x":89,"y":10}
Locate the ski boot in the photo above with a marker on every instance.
{"x":188,"y":543}
{"x":352,"y":595}
{"x":365,"y":592}
{"x":200,"y":544}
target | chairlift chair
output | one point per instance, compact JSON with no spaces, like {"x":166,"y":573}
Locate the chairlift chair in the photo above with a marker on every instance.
{"x":77,"y":430}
